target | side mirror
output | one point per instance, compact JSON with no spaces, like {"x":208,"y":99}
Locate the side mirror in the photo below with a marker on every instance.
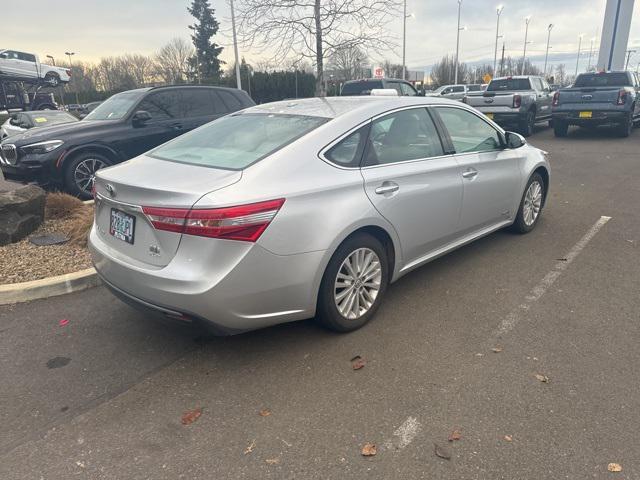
{"x":141,"y":117}
{"x":514,"y":140}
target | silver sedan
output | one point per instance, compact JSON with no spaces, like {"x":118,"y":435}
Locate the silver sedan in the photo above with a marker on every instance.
{"x":305,"y":208}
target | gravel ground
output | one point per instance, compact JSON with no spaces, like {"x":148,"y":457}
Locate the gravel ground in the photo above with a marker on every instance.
{"x":23,"y":261}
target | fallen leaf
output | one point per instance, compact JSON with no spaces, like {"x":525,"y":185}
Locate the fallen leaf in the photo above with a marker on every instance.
{"x":369,"y":450}
{"x":508,"y":438}
{"x":249,"y":449}
{"x":442,"y":452}
{"x":562,"y":259}
{"x":479,"y":354}
{"x":63,"y":322}
{"x":496,"y":349}
{"x":455,"y":435}
{"x":357,"y":362}
{"x":542,"y":378}
{"x":265,"y":412}
{"x":272,"y":461}
{"x":191,"y":416}
{"x":614,"y":467}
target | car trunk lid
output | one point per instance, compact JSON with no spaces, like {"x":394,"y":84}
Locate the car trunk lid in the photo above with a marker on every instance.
{"x":589,"y":95}
{"x":124,"y":190}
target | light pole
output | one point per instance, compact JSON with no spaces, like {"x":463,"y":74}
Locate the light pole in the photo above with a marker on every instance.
{"x":495,"y":55}
{"x":526,"y":34}
{"x":457,"y":42}
{"x":235,"y":48}
{"x":75,"y":83}
{"x":53,"y":60}
{"x":579,"y":47}
{"x":546,"y":55}
{"x":404,"y":39}
{"x":593,"y":39}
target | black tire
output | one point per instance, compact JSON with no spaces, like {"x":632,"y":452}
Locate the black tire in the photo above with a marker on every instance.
{"x":520,"y":225}
{"x":625,"y":128}
{"x":529,"y":123}
{"x":53,"y":79}
{"x":550,"y":123}
{"x":75,"y":177}
{"x":560,"y":129}
{"x":327,"y":313}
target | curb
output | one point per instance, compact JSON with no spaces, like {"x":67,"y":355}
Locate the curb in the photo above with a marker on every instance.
{"x":48,"y":287}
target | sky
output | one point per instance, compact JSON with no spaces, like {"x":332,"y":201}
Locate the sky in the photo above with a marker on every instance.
{"x":97,"y":28}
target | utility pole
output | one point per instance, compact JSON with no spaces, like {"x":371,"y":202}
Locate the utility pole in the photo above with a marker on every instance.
{"x":629,"y":52}
{"x":404,"y":41}
{"x":495,"y":55}
{"x":75,"y":83}
{"x":590,"y":53}
{"x":457,"y":42}
{"x":546,"y":55}
{"x":502,"y":61}
{"x":526,"y":34}
{"x":579,"y":47}
{"x":235,"y":48}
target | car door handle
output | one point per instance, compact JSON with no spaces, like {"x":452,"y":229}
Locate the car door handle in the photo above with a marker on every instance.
{"x":471,"y":173}
{"x":387,"y":187}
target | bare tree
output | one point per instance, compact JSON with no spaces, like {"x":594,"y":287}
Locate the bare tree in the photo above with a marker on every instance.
{"x":348,"y":62}
{"x":172,"y":61}
{"x":316,"y":29}
{"x":443,"y":72}
{"x":561,"y":74}
{"x":142,"y":68}
{"x":392,"y":70}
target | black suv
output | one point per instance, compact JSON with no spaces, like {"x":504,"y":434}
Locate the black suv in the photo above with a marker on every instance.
{"x":124,"y":126}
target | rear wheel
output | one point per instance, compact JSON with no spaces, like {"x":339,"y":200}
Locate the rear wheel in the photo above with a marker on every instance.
{"x":80,"y":172}
{"x":530,"y":205}
{"x":353,"y":284}
{"x":52,"y":79}
{"x":528,"y":124}
{"x":625,"y":128}
{"x":560,"y":129}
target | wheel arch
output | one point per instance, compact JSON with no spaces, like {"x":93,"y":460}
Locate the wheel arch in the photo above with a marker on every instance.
{"x":544,"y":173}
{"x":108,"y":152}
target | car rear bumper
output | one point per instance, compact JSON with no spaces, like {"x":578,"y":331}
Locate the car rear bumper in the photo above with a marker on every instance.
{"x":598,"y":117}
{"x":254,"y":289}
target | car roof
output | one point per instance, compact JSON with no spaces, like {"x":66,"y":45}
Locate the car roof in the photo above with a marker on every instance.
{"x":375,"y":80}
{"x":333,"y":107}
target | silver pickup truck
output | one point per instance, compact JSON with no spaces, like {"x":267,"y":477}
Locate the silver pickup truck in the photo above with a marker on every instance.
{"x":515,"y":102}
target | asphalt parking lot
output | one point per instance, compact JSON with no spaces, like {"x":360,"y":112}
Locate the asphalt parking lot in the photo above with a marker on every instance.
{"x":457,"y":346}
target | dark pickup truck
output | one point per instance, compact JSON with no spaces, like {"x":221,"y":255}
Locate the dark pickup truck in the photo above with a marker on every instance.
{"x":600,"y":98}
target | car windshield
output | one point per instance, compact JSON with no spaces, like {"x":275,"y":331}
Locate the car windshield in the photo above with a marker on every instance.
{"x":360,"y":88}
{"x":509,"y":84}
{"x":47,"y":118}
{"x":116,"y":107}
{"x":236,"y":141}
{"x":619,"y":79}
{"x":439,"y":89}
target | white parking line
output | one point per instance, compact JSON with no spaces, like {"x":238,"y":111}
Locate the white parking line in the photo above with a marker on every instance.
{"x":512,"y":319}
{"x":404,"y":434}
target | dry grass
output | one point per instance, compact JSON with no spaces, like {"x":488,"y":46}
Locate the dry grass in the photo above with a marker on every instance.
{"x":79,"y":227}
{"x":61,"y":205}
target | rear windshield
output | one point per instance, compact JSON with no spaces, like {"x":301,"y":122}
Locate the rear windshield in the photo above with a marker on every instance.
{"x":360,"y":88}
{"x":603,"y":80}
{"x":509,"y":85}
{"x":236,"y":141}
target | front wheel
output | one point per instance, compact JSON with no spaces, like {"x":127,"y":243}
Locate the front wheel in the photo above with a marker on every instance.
{"x":353,"y":284}
{"x":530,"y":205}
{"x":80,"y":172}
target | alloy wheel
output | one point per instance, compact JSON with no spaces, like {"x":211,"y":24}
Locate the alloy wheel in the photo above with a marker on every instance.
{"x":85,"y":172}
{"x":532,"y":203}
{"x":357,"y":283}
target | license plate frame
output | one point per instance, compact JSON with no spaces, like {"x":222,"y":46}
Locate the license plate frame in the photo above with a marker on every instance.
{"x":587,"y":114}
{"x":122,"y":226}
{"x":489,"y":116}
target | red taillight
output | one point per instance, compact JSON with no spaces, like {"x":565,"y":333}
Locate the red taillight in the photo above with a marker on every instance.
{"x":517,"y":101}
{"x":69,"y":72}
{"x":244,"y":222}
{"x":622,"y":97}
{"x":556,"y":99}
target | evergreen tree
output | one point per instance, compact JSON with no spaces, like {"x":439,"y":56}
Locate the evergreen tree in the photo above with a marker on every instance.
{"x":206,"y":62}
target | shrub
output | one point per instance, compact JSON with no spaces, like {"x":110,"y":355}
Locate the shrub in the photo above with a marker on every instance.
{"x":61,"y":205}
{"x":80,"y":225}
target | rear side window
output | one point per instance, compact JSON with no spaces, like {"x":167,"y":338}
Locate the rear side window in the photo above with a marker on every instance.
{"x":619,"y":79}
{"x":509,"y":84}
{"x":361,"y":88}
{"x":474,"y":88}
{"x":230,"y":100}
{"x":458,"y":89}
{"x":161,"y":105}
{"x":400,"y":136}
{"x":348,"y":151}
{"x":468,"y":132}
{"x":196,"y":102}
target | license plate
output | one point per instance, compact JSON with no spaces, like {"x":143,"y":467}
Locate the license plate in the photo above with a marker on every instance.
{"x":586,"y":114}
{"x":122,"y":225}
{"x":489,"y":116}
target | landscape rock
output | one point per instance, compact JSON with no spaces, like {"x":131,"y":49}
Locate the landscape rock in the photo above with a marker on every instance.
{"x":21,"y":210}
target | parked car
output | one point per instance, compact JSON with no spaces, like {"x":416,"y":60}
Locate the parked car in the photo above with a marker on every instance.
{"x":74,"y":108}
{"x":364,"y":87}
{"x":454,"y":92}
{"x":23,"y":121}
{"x":21,"y":96}
{"x":23,"y":65}
{"x":309,"y":207}
{"x":602,"y":98}
{"x":515,"y":102}
{"x":88,"y":108}
{"x":125,"y":125}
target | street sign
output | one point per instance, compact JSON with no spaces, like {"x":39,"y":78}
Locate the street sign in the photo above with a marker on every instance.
{"x":378,"y":72}
{"x":486,"y":78}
